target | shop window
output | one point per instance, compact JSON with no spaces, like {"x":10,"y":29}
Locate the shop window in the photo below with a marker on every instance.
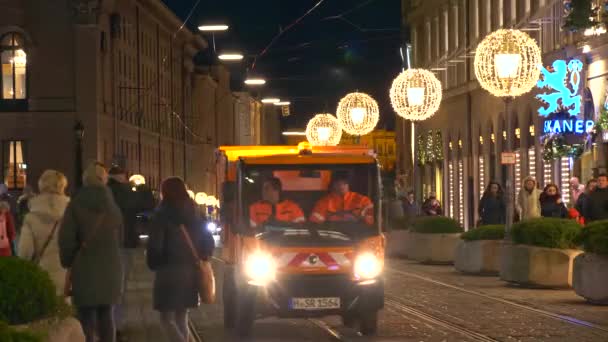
{"x":460,"y":192}
{"x":532,"y":162}
{"x":451,"y":188}
{"x":14,"y":166}
{"x":517,"y":172}
{"x":547,"y":172}
{"x":565,"y":179}
{"x":482,"y":176}
{"x":14,"y":72}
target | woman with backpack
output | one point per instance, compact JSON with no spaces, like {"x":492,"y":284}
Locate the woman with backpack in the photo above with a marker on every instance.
{"x":38,"y":240}
{"x":177,"y":232}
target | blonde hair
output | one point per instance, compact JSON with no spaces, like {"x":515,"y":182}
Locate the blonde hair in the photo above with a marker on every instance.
{"x":95,"y":175}
{"x":53,"y":182}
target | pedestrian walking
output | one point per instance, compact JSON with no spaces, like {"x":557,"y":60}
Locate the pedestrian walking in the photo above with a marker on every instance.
{"x":411,"y":209}
{"x":89,"y":246}
{"x":176,"y":281}
{"x":38,"y":239}
{"x":7,"y":230}
{"x":576,"y":189}
{"x":23,"y":206}
{"x":597,"y":204}
{"x":551,"y":203}
{"x":126,"y":200}
{"x":492,"y":205}
{"x":583,"y":200}
{"x":528,"y":200}
{"x":432,"y":207}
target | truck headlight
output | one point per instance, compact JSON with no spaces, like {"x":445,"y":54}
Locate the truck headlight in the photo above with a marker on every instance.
{"x":212,"y":227}
{"x":367,"y":266}
{"x":260,"y":268}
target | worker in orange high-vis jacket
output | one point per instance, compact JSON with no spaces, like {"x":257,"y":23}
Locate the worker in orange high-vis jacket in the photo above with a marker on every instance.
{"x":341,"y":205}
{"x":272,"y":207}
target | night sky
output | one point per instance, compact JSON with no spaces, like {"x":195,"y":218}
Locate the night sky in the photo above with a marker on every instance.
{"x":318,"y":60}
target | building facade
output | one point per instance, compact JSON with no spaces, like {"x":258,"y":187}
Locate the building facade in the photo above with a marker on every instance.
{"x":125,"y":70}
{"x":458,"y":150}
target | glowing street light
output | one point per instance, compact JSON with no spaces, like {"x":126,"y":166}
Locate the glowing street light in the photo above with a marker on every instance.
{"x":323,"y":130}
{"x":190,"y":193}
{"x":358,"y":113}
{"x":282,"y":103}
{"x":200,"y":198}
{"x":230,"y":56}
{"x":271,"y":100}
{"x":213,"y":28}
{"x":253,"y":81}
{"x":137,"y":180}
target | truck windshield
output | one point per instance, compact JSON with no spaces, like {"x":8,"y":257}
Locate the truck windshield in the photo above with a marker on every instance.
{"x":288,"y":197}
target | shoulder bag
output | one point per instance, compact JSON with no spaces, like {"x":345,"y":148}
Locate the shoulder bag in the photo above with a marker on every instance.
{"x":205,"y":273}
{"x":67,"y":287}
{"x":38,"y":257}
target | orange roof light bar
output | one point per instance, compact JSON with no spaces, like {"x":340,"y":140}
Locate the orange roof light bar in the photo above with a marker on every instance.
{"x":235,"y":152}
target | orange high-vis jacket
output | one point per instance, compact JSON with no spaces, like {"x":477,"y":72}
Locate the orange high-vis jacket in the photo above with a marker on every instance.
{"x":285,"y":211}
{"x":334,"y":207}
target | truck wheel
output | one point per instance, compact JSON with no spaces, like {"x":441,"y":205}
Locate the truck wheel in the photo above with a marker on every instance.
{"x":228,"y":296}
{"x":245,"y":312}
{"x":369,"y":323}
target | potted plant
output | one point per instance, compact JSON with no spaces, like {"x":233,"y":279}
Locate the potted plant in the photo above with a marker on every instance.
{"x":397,"y":237}
{"x":541,"y":253}
{"x":29,"y":307}
{"x":479,"y":250}
{"x":433,"y":239}
{"x":590,"y":277}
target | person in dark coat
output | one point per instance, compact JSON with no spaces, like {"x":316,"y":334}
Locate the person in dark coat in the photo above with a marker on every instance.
{"x":492,"y":205}
{"x":583,"y":200}
{"x":89,"y":244}
{"x":597,"y":208}
{"x":168,"y":255}
{"x":432,"y":207}
{"x":126,"y":200}
{"x":551,"y":204}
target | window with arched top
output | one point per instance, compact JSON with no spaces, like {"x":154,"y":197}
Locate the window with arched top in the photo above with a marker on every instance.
{"x":14,"y":67}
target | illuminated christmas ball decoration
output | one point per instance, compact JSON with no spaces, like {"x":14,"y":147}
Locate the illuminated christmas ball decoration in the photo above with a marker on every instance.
{"x":324,"y":130}
{"x":416,"y":94}
{"x":200,"y":198}
{"x":507,"y":63}
{"x":358,"y":113}
{"x":137,"y":180}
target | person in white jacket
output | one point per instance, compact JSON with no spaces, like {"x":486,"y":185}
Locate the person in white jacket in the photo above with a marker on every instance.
{"x":528,"y":200}
{"x":42,"y":224}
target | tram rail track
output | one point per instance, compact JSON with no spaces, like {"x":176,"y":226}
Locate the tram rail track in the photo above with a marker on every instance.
{"x":393,"y":302}
{"x":545,"y":313}
{"x":333,"y":333}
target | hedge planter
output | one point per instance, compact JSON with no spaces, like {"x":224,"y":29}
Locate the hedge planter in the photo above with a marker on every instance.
{"x":397,"y":243}
{"x":432,"y":248}
{"x":55,"y":330}
{"x":478,"y":257}
{"x":537,"y":266}
{"x":590,"y":279}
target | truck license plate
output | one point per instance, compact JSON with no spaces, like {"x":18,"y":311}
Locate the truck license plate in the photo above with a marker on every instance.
{"x":315,"y":303}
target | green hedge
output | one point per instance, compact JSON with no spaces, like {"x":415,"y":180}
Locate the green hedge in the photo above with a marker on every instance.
{"x":547,"y":232}
{"x":8,"y":334}
{"x":27,"y":293}
{"x":594,"y":237}
{"x":436,"y":225}
{"x":489,"y":232}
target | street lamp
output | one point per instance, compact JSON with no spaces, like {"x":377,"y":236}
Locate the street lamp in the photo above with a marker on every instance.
{"x":79,"y":135}
{"x":323,"y":130}
{"x":271,"y":100}
{"x":230,"y":56}
{"x":137,"y":180}
{"x":213,"y":28}
{"x":253,"y":81}
{"x":282,"y":103}
{"x":416,"y":94}
{"x":507,"y":65}
{"x":200,"y":198}
{"x":358,"y":113}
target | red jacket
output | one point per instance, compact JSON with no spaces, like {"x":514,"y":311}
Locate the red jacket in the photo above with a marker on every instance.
{"x":6,"y":225}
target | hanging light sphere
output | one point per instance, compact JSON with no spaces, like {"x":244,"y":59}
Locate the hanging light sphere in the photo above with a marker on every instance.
{"x":358,"y":113}
{"x":200,"y":198}
{"x":324,"y":130}
{"x":416,"y":94}
{"x":507,"y":63}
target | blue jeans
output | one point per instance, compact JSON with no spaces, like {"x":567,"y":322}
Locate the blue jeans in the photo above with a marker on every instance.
{"x":97,"y":321}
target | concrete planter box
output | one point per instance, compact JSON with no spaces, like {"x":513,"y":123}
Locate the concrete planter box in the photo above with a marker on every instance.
{"x":537,"y":266}
{"x":396,"y":243}
{"x":432,"y":248}
{"x":66,"y":330}
{"x":478,"y":257}
{"x":591,"y":277}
